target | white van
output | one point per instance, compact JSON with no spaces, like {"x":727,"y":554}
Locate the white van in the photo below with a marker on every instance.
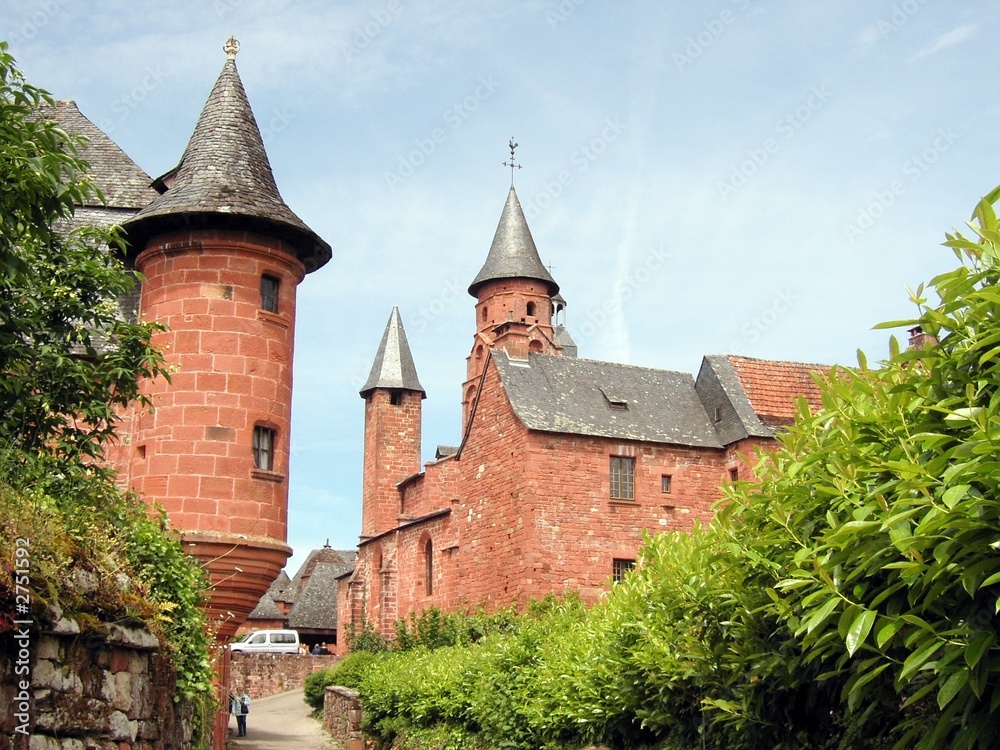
{"x":268,"y":642}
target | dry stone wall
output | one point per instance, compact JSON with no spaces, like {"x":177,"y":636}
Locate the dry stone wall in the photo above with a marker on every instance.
{"x":112,"y":691}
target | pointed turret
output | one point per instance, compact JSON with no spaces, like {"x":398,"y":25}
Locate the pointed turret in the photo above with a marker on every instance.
{"x":224,"y":179}
{"x":393,"y":398}
{"x":513,"y":254}
{"x":514,"y":306}
{"x":393,"y":367}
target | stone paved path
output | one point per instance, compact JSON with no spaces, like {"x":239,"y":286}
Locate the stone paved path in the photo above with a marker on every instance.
{"x":280,"y":722}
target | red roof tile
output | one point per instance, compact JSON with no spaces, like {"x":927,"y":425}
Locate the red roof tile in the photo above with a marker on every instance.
{"x":773,"y":387}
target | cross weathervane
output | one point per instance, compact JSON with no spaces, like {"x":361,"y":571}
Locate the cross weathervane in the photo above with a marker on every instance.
{"x":512,"y":164}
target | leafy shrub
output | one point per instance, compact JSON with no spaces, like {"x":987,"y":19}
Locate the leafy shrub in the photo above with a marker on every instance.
{"x":347,"y":673}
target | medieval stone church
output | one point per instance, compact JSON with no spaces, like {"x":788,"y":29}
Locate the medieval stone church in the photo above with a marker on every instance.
{"x":563,"y":463}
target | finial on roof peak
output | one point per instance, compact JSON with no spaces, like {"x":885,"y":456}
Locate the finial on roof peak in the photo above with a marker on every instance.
{"x":512,"y":164}
{"x":231,"y":47}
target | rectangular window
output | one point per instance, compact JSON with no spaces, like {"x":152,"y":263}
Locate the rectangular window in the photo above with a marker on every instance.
{"x":269,"y":286}
{"x":263,"y":448}
{"x":734,"y":475}
{"x":622,"y":478}
{"x":665,"y":484}
{"x":619,"y":567}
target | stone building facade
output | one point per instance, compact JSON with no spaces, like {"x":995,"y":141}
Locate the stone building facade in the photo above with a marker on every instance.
{"x":564,"y":464}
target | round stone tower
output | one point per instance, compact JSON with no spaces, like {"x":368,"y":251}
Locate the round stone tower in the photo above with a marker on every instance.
{"x":221,"y":255}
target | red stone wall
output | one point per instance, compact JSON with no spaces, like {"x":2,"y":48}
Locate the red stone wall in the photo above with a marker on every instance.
{"x":262,"y":675}
{"x":232,"y":371}
{"x":520,"y":514}
{"x":392,"y":453}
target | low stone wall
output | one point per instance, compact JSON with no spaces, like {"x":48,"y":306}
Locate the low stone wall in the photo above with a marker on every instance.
{"x":262,"y":675}
{"x":87,"y":692}
{"x":342,"y":718}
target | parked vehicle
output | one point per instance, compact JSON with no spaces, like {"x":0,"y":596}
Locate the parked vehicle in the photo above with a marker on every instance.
{"x":268,"y":642}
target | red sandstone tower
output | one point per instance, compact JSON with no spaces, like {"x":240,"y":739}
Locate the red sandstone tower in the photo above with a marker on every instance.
{"x":393,"y":396}
{"x":514,"y":307}
{"x":222,"y":255}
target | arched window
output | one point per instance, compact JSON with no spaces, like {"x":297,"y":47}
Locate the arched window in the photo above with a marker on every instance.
{"x":535,"y":346}
{"x":484,"y":312}
{"x":429,"y":566}
{"x":531,"y":309}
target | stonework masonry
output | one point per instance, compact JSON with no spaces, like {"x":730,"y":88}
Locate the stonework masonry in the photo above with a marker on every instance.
{"x":89,"y":692}
{"x":262,"y":675}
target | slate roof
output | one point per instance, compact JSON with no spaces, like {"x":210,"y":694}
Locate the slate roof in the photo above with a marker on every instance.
{"x":773,"y":387}
{"x":123,"y":183}
{"x":344,"y":559}
{"x":569,"y":395}
{"x":224,"y":180}
{"x":393,"y":366}
{"x":316,"y":604}
{"x":513,"y":253}
{"x":266,"y":609}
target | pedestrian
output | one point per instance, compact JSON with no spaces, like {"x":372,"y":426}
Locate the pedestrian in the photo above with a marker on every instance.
{"x":239,"y":705}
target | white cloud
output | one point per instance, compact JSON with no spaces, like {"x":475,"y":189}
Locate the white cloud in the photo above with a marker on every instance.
{"x":953,"y":37}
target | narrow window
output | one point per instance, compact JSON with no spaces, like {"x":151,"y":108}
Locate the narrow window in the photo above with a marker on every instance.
{"x":531,"y":309}
{"x":734,"y":475}
{"x":665,"y":484}
{"x":269,"y":293}
{"x":263,"y":448}
{"x":619,"y":567}
{"x":429,"y":566}
{"x":484,"y":312}
{"x":718,"y":413}
{"x":622,"y":477}
{"x":396,"y":398}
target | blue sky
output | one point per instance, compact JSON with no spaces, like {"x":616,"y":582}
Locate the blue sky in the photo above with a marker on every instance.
{"x":738,"y":176}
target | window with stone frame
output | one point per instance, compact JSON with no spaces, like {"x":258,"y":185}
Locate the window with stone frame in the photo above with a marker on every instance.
{"x":622,"y":478}
{"x":619,"y":567}
{"x":269,"y":286}
{"x":263,"y":448}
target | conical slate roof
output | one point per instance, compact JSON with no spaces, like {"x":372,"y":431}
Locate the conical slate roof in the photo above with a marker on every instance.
{"x":393,"y":366}
{"x":224,"y":179}
{"x":513,"y":254}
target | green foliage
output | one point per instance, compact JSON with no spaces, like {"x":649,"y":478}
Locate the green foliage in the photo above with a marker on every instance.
{"x":367,"y":640}
{"x":137,"y":569}
{"x":68,"y":367}
{"x":59,"y":296}
{"x":431,"y":628}
{"x":885,"y":507}
{"x":347,"y":673}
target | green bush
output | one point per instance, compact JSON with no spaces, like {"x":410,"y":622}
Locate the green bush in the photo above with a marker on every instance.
{"x":346,"y":673}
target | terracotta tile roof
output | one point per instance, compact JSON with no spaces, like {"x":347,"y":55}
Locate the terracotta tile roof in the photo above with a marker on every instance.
{"x":774,"y":386}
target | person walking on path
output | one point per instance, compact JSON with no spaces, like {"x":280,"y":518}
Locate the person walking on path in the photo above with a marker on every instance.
{"x":239,"y":705}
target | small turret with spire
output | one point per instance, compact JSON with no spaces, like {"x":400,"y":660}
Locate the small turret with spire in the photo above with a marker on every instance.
{"x":514,"y":292}
{"x":393,"y":396}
